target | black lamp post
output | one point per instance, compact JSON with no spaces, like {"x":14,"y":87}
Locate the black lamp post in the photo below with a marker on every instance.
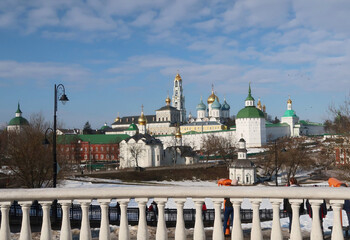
{"x":60,"y":94}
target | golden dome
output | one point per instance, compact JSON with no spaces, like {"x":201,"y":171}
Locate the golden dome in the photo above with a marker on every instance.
{"x":142,"y":119}
{"x":178,"y":133}
{"x":212,"y":97}
{"x":167,"y":101}
{"x":178,"y":77}
{"x":117,"y":118}
{"x":264,"y":108}
{"x":259,"y":104}
{"x":289,"y":101}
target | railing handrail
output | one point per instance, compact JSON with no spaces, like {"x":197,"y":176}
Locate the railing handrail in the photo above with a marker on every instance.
{"x":174,"y":192}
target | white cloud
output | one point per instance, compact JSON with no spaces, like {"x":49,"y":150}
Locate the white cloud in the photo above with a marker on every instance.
{"x":12,"y":71}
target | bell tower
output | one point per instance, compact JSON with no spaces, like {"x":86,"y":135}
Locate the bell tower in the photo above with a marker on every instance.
{"x":178,"y":100}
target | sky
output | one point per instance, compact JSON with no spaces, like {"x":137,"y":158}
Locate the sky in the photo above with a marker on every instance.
{"x":112,"y":56}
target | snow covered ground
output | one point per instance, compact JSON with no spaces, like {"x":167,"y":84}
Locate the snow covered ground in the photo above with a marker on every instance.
{"x":305,"y":220}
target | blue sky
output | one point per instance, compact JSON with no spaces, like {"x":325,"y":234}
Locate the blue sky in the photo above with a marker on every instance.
{"x":113,"y":56}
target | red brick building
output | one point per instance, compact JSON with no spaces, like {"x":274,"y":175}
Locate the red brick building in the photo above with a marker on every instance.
{"x":94,"y":148}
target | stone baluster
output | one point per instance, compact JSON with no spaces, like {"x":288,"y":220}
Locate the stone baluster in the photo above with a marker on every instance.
{"x":5,"y":223}
{"x":256,"y":233}
{"x":295,"y":230}
{"x":46,"y":232}
{"x":199,"y":233}
{"x":142,"y":232}
{"x":218,"y":233}
{"x":337,"y":232}
{"x":316,"y":230}
{"x":26,"y":233}
{"x":276,"y":232}
{"x":66,"y":233}
{"x":237,"y":231}
{"x":162,"y":232}
{"x":105,"y":233}
{"x":123,"y":226}
{"x":180,"y":230}
{"x":85,"y":231}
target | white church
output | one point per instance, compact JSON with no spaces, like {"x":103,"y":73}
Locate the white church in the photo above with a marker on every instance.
{"x":251,"y":123}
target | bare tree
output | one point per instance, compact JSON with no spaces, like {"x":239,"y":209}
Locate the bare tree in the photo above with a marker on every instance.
{"x":135,"y":151}
{"x":24,"y":153}
{"x":339,"y":121}
{"x":218,"y":146}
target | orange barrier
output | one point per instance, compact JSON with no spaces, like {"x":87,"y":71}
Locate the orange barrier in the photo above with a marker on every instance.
{"x":224,"y":182}
{"x":227,"y":231}
{"x":333,"y":182}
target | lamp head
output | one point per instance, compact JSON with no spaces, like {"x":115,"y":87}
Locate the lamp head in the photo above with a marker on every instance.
{"x":64,"y":99}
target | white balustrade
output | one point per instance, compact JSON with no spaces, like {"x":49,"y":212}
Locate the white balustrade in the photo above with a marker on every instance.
{"x":162,"y":232}
{"x":142,"y":232}
{"x":237,"y":231}
{"x":218,"y":233}
{"x":123,"y":226}
{"x":256,"y":233}
{"x":199,"y":233}
{"x":46,"y":232}
{"x":25,"y":197}
{"x":104,"y":228}
{"x":26,"y":233}
{"x":5,"y":223}
{"x":316,"y":230}
{"x":276,"y":231}
{"x":295,"y":233}
{"x":337,"y":232}
{"x":180,"y":230}
{"x":66,"y":233}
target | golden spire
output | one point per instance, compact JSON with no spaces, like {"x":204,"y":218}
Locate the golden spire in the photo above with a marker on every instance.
{"x":289,"y":100}
{"x":178,"y":77}
{"x":264,"y":108}
{"x":118,"y":118}
{"x":258,"y":106}
{"x":142,"y":118}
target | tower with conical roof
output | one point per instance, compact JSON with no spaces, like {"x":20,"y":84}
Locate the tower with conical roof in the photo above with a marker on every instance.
{"x":250,"y":123}
{"x":178,"y":100}
{"x":18,"y":122}
{"x":213,"y":100}
{"x":290,"y":118}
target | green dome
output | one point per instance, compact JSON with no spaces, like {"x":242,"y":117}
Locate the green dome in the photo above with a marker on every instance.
{"x":105,"y":127}
{"x":216,"y":104}
{"x":133,"y":127}
{"x":201,"y":106}
{"x":250,"y":112}
{"x":225,"y":106}
{"x":18,"y":121}
{"x":289,"y":113}
{"x":250,"y":98}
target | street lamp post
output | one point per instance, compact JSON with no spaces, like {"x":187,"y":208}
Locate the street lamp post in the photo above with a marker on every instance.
{"x":60,"y":94}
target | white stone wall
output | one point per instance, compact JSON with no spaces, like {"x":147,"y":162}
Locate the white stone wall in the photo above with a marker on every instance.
{"x":275,"y":132}
{"x":253,"y":130}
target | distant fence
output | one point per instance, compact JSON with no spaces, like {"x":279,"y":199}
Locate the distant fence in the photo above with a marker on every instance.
{"x":36,"y":214}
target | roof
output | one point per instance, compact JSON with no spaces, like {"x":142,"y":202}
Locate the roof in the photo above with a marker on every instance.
{"x":132,"y":127}
{"x":306,"y":123}
{"x":201,"y":106}
{"x":148,"y":139}
{"x":225,"y":106}
{"x":276,"y":124}
{"x":167,"y":108}
{"x":211,"y":123}
{"x":250,"y":112}
{"x":242,"y":163}
{"x":249,"y":98}
{"x":92,"y":138}
{"x":18,"y":121}
{"x":134,"y":119}
{"x":289,"y":113}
